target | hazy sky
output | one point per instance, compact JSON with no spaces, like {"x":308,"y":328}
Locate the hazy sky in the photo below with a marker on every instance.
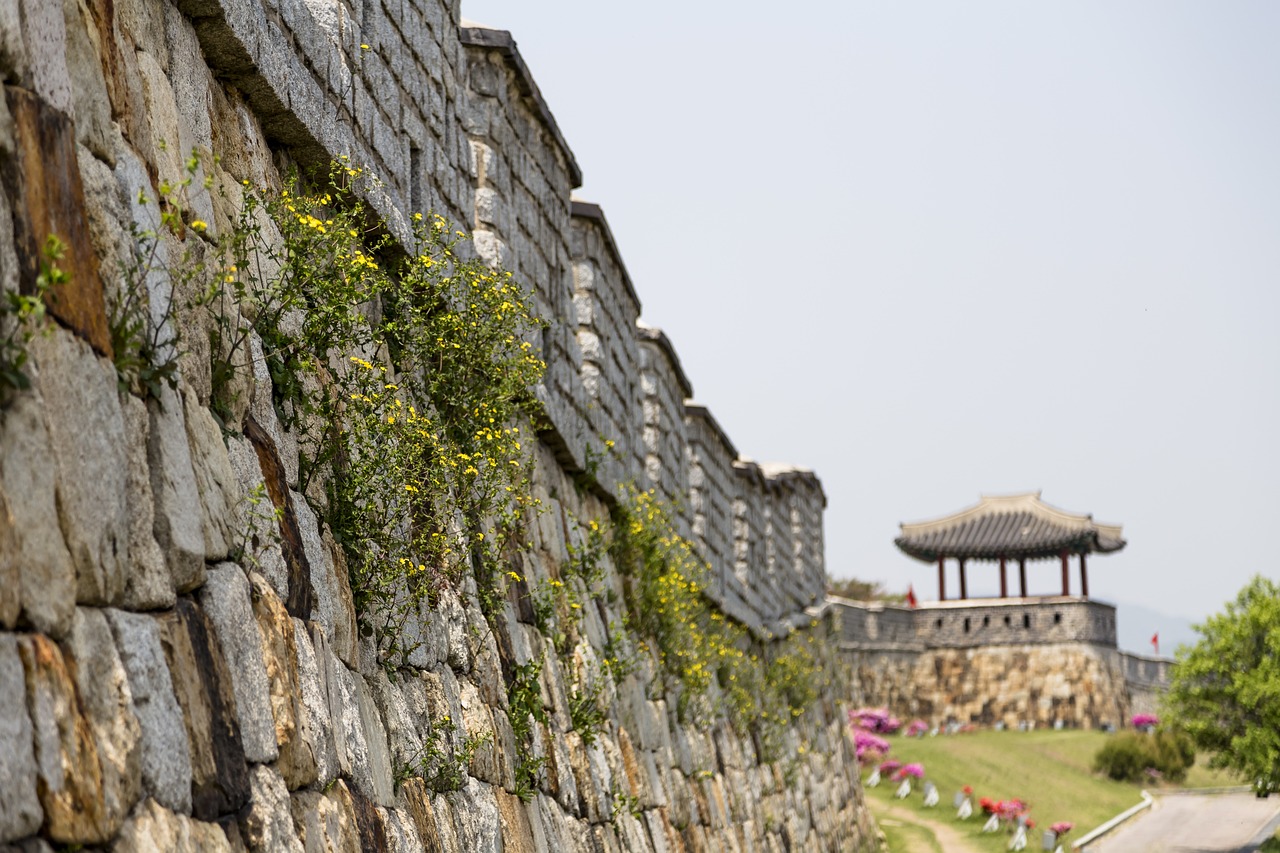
{"x":937,"y":249}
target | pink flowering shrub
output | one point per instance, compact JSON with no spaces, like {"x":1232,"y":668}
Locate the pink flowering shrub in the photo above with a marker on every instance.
{"x":867,"y":746}
{"x":916,"y":728}
{"x":875,"y":720}
{"x":1145,"y":721}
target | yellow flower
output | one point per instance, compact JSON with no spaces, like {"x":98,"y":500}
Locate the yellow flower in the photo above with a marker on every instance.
{"x":364,"y":47}
{"x":199,"y":225}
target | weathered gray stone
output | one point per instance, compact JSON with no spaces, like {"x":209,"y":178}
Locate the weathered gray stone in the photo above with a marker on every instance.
{"x":476,"y":817}
{"x":154,"y":829}
{"x":317,"y":730}
{"x":297,"y":763}
{"x":263,"y":411}
{"x":107,"y":702}
{"x":162,"y":149}
{"x":326,"y":822}
{"x":477,"y":720}
{"x":77,"y":389}
{"x":13,"y":53}
{"x":189,"y":76}
{"x":149,"y":586}
{"x":446,"y":828}
{"x":348,"y":730}
{"x":106,"y":214}
{"x":334,"y":608}
{"x":45,"y":37}
{"x":225,"y":600}
{"x":10,"y":569}
{"x":380,"y":767}
{"x":70,"y":777}
{"x":267,"y":824}
{"x":89,"y":89}
{"x":450,"y":611}
{"x":402,"y":834}
{"x":178,"y":528}
{"x":214,"y":478}
{"x":20,"y":812}
{"x":203,"y":688}
{"x":403,"y":736}
{"x":257,"y":516}
{"x":165,"y":754}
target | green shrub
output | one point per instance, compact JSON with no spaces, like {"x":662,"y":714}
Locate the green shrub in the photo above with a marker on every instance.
{"x":1133,"y":756}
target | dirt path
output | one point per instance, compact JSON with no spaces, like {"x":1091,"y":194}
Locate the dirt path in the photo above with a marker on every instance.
{"x":951,"y":840}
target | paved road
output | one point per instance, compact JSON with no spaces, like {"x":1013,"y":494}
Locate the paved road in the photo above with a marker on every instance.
{"x":1196,"y":823}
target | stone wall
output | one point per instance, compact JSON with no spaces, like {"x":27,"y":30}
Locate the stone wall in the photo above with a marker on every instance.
{"x":160,"y":690}
{"x":1041,"y":661}
{"x":1074,"y":685}
{"x":960,"y":624}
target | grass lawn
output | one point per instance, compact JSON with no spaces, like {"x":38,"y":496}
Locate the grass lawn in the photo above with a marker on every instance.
{"x":1049,"y":769}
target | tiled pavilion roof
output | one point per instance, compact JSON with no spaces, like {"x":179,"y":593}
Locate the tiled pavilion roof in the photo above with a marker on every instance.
{"x":1012,"y":526}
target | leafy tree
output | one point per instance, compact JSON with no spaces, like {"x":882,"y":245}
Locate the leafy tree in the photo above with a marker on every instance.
{"x":1225,"y":690}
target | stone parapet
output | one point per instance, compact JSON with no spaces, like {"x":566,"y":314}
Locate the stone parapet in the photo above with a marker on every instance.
{"x":1022,"y":621}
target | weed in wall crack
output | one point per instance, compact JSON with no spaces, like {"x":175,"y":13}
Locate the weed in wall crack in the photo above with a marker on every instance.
{"x":22,"y":317}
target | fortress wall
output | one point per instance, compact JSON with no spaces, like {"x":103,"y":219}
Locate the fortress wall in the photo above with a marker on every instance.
{"x":158,"y":686}
{"x":1016,"y":622}
{"x":1037,"y":669}
{"x":665,"y":389}
{"x":876,"y":626}
{"x":523,"y":174}
{"x":607,"y":310}
{"x":1146,"y":678}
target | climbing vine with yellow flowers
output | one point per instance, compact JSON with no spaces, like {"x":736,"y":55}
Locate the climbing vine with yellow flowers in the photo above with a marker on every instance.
{"x":405,"y":375}
{"x":704,"y":655}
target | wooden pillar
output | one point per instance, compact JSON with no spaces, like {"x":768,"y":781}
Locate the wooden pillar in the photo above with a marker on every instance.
{"x":942,"y":578}
{"x":964,"y":589}
{"x":1022,"y":575}
{"x":1084,"y":577}
{"x":1066,"y":579}
{"x":1004,"y":585}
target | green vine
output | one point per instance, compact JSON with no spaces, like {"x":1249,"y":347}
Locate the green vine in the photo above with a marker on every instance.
{"x":764,"y":687}
{"x":146,"y":348}
{"x":524,"y":700}
{"x":22,"y":317}
{"x":406,"y":377}
{"x":442,"y":767}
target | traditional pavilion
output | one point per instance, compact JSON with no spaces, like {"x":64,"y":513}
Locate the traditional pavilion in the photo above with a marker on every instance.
{"x":1000,"y":528}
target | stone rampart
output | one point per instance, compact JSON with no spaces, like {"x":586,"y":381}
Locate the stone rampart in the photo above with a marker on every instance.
{"x":963,"y":624}
{"x":1044,"y":661}
{"x":158,"y":688}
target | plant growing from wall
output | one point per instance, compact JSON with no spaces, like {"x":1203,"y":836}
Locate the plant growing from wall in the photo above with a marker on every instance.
{"x":586,"y":708}
{"x":764,"y":686}
{"x":406,"y":377}
{"x":22,"y":316}
{"x":524,"y":703}
{"x":145,"y":342}
{"x":442,"y":767}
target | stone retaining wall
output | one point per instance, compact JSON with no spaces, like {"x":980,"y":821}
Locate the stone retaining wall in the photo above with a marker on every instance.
{"x":158,"y":690}
{"x":1041,"y":661}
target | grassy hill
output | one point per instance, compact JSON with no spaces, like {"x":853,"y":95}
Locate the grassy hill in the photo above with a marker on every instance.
{"x":1050,"y":770}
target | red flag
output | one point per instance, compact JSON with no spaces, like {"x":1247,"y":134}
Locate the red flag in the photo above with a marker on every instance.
{"x":1155,"y":641}
{"x":911,"y":596}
